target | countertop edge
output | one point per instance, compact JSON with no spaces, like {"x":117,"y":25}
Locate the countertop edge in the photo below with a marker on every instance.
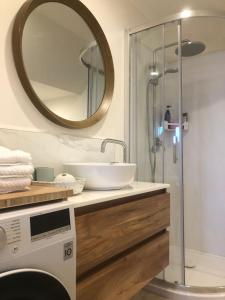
{"x":88,"y":198}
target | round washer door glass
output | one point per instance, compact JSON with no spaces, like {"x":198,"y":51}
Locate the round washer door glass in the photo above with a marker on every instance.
{"x":31,"y":285}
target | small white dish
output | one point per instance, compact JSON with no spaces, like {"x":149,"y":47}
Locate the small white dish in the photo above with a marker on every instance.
{"x":77,"y":186}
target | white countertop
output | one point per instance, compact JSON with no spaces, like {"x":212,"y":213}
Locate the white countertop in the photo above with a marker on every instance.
{"x":94,"y":197}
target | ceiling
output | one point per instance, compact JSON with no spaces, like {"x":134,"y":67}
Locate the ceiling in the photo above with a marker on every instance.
{"x":194,"y":29}
{"x":157,"y":9}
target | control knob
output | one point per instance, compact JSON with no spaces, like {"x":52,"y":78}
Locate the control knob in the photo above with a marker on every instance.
{"x":3,"y":238}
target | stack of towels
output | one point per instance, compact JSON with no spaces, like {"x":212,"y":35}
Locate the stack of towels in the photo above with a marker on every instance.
{"x":16,"y":170}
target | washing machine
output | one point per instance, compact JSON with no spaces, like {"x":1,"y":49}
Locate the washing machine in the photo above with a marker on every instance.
{"x":37,"y":253}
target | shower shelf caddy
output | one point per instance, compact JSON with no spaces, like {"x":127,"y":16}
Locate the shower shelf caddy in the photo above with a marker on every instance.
{"x":172,"y":126}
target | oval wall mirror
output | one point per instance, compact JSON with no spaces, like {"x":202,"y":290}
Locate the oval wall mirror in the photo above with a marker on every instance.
{"x":63,"y":61}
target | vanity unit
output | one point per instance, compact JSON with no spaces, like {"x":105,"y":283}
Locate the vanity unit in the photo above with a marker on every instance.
{"x":122,"y":240}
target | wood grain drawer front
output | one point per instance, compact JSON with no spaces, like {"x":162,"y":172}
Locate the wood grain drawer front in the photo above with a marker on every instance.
{"x":123,"y":278}
{"x":107,"y":232}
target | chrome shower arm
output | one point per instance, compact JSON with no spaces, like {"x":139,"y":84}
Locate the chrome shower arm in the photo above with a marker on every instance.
{"x":171,"y":45}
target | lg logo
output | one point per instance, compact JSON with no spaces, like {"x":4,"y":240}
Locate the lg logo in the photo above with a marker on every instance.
{"x":68,"y":250}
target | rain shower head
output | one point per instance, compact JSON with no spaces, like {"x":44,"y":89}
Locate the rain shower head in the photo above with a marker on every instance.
{"x":191,"y":48}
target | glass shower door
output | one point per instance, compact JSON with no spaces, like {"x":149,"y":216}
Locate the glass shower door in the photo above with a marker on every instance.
{"x":173,"y":145}
{"x":146,"y":131}
{"x":156,"y":143}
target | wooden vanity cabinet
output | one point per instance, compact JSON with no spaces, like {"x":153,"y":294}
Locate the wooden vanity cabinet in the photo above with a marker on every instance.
{"x":121,"y":245}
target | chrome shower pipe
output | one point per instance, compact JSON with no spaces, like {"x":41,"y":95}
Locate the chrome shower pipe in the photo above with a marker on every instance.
{"x":158,"y":76}
{"x":186,"y":41}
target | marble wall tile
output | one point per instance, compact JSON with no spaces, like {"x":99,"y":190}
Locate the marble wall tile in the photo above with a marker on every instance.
{"x":52,"y":150}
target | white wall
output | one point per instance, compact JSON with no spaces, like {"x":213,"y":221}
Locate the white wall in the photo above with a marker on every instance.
{"x":204,"y":152}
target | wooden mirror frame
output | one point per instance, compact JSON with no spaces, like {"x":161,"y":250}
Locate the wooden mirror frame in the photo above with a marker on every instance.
{"x":95,"y":28}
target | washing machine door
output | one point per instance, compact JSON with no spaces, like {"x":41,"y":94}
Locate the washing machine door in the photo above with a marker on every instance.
{"x":28,"y":284}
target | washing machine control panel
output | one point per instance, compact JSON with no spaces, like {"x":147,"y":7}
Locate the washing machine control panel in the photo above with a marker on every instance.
{"x":29,"y":230}
{"x":10,"y":232}
{"x":10,"y":237}
{"x":3,"y":238}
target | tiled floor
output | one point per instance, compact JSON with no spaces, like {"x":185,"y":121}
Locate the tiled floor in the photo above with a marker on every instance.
{"x":147,"y":296}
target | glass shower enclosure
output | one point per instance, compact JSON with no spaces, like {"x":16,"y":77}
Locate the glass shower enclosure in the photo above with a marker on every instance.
{"x":176,"y":105}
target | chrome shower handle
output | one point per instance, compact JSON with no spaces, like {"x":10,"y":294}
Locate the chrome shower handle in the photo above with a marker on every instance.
{"x":175,"y":150}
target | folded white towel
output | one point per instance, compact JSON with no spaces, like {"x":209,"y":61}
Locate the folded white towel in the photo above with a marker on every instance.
{"x":8,"y":185}
{"x":15,"y":176}
{"x":8,"y":156}
{"x":18,"y":169}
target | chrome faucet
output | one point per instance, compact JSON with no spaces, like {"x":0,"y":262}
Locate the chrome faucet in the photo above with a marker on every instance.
{"x":118,"y":142}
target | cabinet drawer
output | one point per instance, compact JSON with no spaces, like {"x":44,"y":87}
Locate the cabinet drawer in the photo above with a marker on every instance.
{"x":124,"y":277}
{"x":107,"y":232}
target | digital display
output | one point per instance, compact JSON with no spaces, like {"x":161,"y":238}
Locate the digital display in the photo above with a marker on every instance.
{"x":50,"y":222}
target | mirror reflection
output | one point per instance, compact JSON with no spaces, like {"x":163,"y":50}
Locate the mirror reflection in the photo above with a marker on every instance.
{"x":63,"y":61}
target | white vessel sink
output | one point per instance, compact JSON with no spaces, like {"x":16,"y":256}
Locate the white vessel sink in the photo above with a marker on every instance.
{"x":103,"y":176}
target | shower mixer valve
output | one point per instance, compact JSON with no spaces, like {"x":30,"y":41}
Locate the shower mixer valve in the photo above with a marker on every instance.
{"x":157,"y":145}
